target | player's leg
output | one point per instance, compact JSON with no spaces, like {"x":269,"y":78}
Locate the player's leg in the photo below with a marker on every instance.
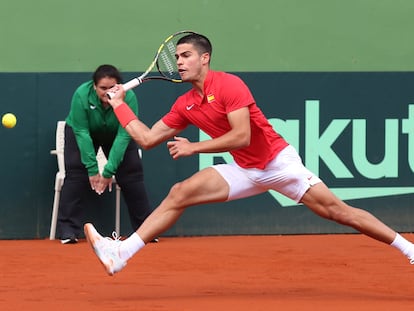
{"x":287,"y":175}
{"x":203,"y":187}
{"x":324,"y":203}
{"x":218,"y":183}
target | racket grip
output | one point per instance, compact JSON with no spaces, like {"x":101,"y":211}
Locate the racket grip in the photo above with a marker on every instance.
{"x":131,"y":84}
{"x":127,"y":86}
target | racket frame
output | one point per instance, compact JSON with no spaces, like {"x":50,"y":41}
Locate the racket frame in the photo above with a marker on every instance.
{"x":143,"y":77}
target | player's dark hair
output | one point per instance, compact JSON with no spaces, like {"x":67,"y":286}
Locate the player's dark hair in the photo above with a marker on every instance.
{"x":200,"y":42}
{"x":106,"y":71}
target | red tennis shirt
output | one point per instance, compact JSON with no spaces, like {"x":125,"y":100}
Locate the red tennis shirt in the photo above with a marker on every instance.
{"x":224,"y":93}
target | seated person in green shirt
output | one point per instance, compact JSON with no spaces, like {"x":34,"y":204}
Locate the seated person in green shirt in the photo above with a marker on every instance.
{"x":91,"y":124}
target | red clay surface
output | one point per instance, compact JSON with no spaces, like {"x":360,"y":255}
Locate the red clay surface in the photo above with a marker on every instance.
{"x":310,"y":272}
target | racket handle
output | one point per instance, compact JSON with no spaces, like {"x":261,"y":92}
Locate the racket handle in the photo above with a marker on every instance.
{"x":127,"y":86}
{"x":131,"y":84}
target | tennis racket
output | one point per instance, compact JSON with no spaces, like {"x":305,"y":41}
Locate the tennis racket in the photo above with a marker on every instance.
{"x":165,"y":62}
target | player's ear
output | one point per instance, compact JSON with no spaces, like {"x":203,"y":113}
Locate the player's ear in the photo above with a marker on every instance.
{"x":205,"y":58}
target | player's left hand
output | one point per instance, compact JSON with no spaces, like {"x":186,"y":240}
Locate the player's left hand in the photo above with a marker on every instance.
{"x":180,"y":147}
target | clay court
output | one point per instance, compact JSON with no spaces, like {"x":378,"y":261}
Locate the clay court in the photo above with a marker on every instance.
{"x":309,"y":272}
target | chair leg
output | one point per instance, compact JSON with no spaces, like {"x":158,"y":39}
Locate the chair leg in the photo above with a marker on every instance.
{"x":118,"y":210}
{"x":55,"y":210}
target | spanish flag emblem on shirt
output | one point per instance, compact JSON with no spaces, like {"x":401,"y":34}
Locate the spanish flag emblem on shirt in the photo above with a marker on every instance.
{"x":210,"y":98}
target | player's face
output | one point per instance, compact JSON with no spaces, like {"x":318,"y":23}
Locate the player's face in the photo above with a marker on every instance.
{"x":189,"y":62}
{"x":102,"y":87}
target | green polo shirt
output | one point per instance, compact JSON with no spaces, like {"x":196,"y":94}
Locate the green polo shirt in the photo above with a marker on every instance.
{"x":91,"y":122}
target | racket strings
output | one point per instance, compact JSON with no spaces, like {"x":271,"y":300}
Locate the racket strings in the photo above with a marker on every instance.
{"x":167,"y":65}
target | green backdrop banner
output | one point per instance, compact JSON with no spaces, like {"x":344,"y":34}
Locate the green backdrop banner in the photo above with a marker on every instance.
{"x":254,"y":36}
{"x":354,"y":129}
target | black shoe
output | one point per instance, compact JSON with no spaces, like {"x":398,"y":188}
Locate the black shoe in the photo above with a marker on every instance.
{"x":69,"y":240}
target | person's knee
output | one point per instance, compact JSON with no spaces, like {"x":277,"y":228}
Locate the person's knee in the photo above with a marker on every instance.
{"x":178,"y":194}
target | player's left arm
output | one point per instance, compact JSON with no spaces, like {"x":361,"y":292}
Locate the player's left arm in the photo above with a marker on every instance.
{"x":237,"y":137}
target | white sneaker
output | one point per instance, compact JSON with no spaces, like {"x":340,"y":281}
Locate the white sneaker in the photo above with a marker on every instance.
{"x":106,"y":249}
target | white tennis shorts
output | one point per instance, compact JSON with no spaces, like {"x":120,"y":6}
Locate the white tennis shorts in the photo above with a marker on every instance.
{"x":285,"y":174}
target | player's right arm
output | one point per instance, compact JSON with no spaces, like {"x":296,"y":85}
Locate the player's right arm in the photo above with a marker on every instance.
{"x":146,"y":137}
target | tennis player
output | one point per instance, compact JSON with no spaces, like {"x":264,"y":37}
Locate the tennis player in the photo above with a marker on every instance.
{"x":222,"y":105}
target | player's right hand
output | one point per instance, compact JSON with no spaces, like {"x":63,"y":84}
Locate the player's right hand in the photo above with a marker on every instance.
{"x":117,"y":95}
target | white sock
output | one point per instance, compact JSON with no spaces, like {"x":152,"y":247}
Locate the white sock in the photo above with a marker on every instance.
{"x":130,"y":246}
{"x":405,"y":246}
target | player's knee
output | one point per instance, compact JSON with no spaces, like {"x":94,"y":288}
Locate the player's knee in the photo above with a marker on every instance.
{"x":178,"y":194}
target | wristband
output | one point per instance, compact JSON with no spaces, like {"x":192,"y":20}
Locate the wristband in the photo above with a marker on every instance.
{"x":124,"y":114}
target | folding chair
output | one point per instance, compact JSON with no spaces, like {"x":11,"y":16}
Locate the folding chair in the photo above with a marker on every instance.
{"x":60,"y":178}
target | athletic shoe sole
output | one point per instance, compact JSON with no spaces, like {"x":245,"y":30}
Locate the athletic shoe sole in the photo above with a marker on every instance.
{"x":106,"y":249}
{"x":69,"y":241}
{"x":89,"y":234}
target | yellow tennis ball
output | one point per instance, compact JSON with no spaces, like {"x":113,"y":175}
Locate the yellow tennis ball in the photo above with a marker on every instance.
{"x":9,"y":120}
